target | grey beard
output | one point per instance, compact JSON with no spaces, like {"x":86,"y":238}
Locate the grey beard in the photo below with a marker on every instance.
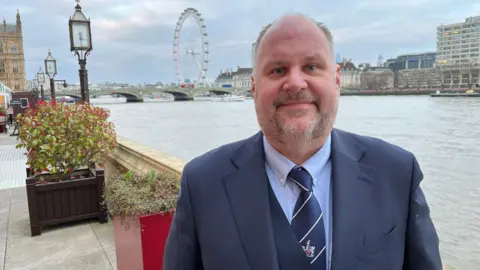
{"x":291,"y":133}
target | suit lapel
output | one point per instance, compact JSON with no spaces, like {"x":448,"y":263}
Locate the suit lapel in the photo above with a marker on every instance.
{"x":352,"y":199}
{"x":247,"y":191}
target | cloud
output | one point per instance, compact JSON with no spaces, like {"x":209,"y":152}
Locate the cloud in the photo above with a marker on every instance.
{"x":133,"y":39}
{"x":382,"y":5}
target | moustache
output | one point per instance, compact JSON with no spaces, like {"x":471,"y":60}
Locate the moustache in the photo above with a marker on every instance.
{"x":301,"y":96}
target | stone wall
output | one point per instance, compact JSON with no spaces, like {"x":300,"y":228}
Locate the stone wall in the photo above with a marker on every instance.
{"x":367,"y":79}
{"x":130,"y":155}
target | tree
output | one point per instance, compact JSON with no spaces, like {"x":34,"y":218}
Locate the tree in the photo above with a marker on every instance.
{"x":383,"y":79}
{"x":396,"y":76}
{"x":406,"y":79}
{"x":429,"y":81}
{"x":368,"y":81}
{"x":374,"y":81}
{"x":420,"y":77}
{"x":470,"y":64}
{"x":439,"y":70}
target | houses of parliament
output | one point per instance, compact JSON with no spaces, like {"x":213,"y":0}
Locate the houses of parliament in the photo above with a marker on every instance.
{"x":12,"y":58}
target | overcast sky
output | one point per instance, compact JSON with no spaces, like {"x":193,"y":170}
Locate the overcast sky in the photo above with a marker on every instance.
{"x":133,"y":39}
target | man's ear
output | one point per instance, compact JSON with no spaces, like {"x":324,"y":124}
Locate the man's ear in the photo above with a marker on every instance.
{"x":338,"y":80}
{"x":253,"y":85}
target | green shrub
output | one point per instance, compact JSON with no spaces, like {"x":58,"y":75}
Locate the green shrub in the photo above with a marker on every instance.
{"x":60,"y":138}
{"x":133,"y":194}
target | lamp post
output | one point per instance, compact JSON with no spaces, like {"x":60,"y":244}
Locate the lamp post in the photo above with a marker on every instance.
{"x":35,"y":85}
{"x":51,"y":69}
{"x":81,"y":45}
{"x":65,"y":84}
{"x":41,"y":81}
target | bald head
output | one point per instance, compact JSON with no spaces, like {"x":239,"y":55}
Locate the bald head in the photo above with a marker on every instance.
{"x":289,"y":23}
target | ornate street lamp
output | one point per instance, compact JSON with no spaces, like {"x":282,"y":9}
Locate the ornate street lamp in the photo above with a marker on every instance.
{"x":41,"y":81}
{"x":81,"y":45}
{"x":35,"y":84}
{"x":51,"y":70}
{"x":65,"y":84}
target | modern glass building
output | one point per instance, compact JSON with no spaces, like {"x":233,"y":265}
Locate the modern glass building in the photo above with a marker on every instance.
{"x":459,"y":43}
{"x":458,"y":52}
{"x":412,"y":61}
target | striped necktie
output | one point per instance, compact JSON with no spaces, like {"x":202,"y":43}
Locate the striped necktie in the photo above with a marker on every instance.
{"x":307,"y":220}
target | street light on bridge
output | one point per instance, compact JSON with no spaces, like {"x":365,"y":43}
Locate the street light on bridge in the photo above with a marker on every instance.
{"x":51,"y":69}
{"x":81,"y":44}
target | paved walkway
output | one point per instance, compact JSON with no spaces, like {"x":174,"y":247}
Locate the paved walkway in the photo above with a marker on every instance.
{"x":12,"y":162}
{"x":75,"y":246}
{"x":12,"y":165}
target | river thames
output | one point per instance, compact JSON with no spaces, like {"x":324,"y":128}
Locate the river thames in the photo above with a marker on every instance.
{"x":443,"y":133}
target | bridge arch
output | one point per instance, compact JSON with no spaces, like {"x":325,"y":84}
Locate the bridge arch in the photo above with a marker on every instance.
{"x":220,"y":92}
{"x":129,"y":96}
{"x":246,"y":93}
{"x":177,"y":95}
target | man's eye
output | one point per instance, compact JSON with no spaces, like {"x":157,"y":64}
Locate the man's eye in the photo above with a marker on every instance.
{"x":311,"y":68}
{"x":278,"y":71}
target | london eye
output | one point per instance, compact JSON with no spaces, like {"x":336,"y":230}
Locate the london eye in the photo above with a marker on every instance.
{"x":198,"y":53}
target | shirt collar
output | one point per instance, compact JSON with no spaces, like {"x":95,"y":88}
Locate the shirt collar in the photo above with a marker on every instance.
{"x":281,"y":166}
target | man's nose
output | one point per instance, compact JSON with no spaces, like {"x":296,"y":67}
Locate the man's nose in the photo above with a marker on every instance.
{"x":295,"y":80}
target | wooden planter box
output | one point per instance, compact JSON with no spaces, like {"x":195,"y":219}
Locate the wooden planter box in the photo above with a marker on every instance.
{"x":141,"y":245}
{"x":55,"y":203}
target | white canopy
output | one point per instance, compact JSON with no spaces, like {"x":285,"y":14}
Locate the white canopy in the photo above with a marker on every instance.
{"x":5,"y":89}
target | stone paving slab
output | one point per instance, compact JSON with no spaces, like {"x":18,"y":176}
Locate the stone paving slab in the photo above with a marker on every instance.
{"x":5,"y":197}
{"x":12,"y":174}
{"x":3,"y":242}
{"x":12,"y":163}
{"x":6,"y":139}
{"x":9,"y":152}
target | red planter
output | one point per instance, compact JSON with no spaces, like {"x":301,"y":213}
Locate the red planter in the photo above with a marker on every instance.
{"x":141,"y":246}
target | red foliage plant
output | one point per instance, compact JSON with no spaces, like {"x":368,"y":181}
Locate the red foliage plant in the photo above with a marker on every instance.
{"x":60,"y":138}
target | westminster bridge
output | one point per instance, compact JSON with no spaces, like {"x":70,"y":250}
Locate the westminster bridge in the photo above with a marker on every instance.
{"x":137,"y":94}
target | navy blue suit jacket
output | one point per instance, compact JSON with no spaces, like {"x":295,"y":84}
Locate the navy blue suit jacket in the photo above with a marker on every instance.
{"x":380,"y":217}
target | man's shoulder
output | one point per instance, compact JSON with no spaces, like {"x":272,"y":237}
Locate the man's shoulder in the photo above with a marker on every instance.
{"x":376,"y":146}
{"x":215,"y":160}
{"x":388,"y":159}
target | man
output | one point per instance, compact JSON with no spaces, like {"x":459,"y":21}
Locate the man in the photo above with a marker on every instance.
{"x":300,"y":194}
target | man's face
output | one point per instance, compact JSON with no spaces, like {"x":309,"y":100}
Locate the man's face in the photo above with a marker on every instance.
{"x":296,"y":83}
